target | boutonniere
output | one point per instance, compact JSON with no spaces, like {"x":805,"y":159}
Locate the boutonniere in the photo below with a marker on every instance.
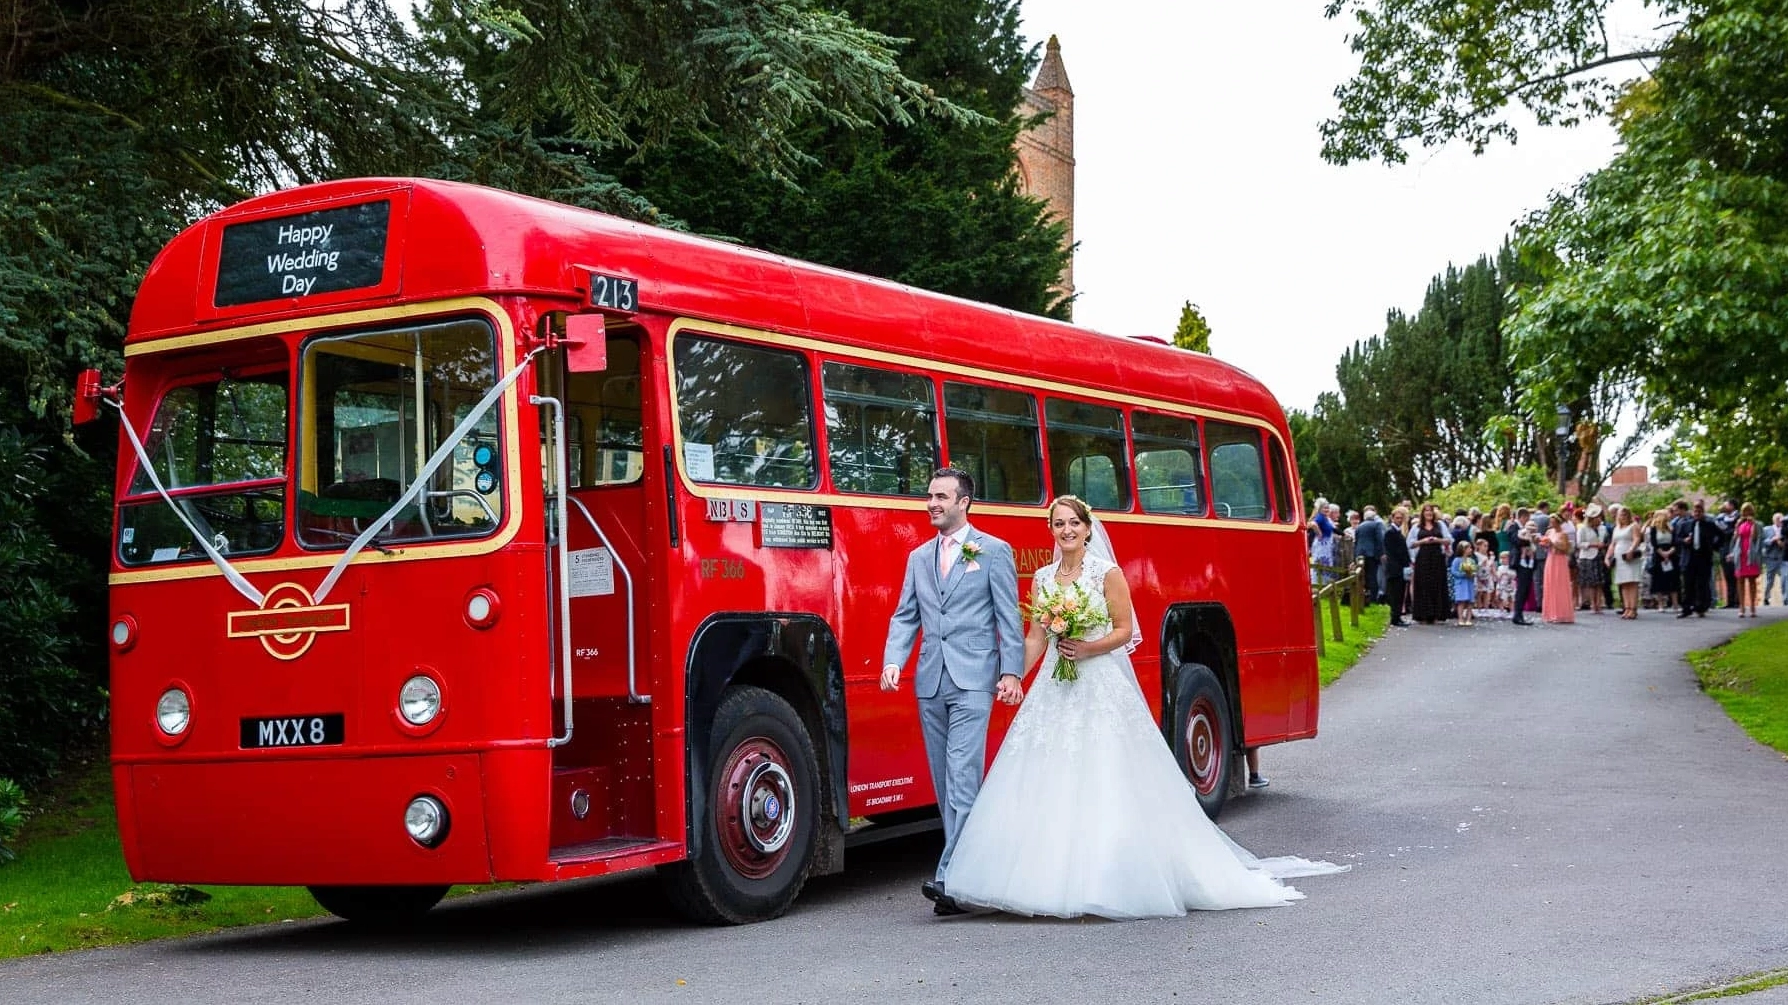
{"x":971,"y":554}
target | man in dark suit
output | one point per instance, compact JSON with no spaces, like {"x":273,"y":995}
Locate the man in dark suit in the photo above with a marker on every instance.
{"x":1526,"y":541}
{"x":1697,"y":539}
{"x":1728,"y":522}
{"x":1368,"y":544}
{"x":1396,"y":559}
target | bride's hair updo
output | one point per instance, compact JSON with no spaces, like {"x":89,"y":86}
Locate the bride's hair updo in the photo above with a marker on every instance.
{"x":1074,"y":503}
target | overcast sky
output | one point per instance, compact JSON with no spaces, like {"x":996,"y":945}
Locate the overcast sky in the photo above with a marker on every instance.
{"x":1198,"y":178}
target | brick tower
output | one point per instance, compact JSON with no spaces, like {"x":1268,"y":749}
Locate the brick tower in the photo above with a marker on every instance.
{"x":1046,"y":153}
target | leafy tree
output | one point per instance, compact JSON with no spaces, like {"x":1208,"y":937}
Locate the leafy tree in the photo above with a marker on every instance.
{"x":1438,"y":71}
{"x":1523,"y":486}
{"x":123,"y":120}
{"x":1659,"y":280}
{"x":929,"y":202}
{"x":1193,"y":332}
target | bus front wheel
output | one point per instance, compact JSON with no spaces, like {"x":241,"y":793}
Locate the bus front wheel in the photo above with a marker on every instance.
{"x":761,"y":818}
{"x":1204,"y":738}
{"x":378,"y":905}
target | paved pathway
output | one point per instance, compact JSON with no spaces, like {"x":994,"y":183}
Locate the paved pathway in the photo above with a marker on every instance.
{"x":1540,"y":815}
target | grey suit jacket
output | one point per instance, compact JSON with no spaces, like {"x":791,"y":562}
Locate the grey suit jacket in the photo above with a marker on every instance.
{"x":968,"y":618}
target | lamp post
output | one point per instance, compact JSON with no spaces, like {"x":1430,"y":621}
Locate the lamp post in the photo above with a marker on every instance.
{"x":1563,"y":432}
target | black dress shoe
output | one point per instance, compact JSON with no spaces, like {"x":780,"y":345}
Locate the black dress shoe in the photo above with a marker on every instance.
{"x":932,"y":890}
{"x":1684,"y":614}
{"x":1519,"y":621}
{"x":946,"y":906}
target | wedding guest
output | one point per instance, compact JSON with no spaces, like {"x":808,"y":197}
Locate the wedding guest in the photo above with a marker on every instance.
{"x":1396,"y":565}
{"x":1527,"y":541}
{"x":1542,"y":519}
{"x":1746,"y":559}
{"x":1727,"y":521}
{"x":1589,"y":560}
{"x":1626,"y":560}
{"x":1484,"y":590}
{"x":1505,"y":585}
{"x":1507,"y":526}
{"x":1368,"y":544}
{"x":1697,"y":539}
{"x":1559,"y":605}
{"x":1665,"y":576}
{"x":1322,"y":542}
{"x":1432,"y":544}
{"x":1775,"y":552}
{"x":1464,"y":573}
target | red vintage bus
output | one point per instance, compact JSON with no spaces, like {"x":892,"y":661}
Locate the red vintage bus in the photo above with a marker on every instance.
{"x":464,"y":537}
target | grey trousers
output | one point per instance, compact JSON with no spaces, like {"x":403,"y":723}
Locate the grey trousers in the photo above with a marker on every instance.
{"x":955,"y":725}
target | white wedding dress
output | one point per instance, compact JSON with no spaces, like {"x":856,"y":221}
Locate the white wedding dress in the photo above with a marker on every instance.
{"x":1085,"y":810}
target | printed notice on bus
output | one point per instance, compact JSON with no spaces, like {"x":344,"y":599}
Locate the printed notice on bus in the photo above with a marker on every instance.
{"x":795,"y":525}
{"x":699,"y":459}
{"x":592,"y":573}
{"x":304,"y":255}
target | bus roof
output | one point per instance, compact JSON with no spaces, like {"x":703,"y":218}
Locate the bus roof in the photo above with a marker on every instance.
{"x":452,"y":239}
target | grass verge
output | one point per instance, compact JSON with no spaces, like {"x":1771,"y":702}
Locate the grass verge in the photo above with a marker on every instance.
{"x":1337,"y":657}
{"x":68,"y":889}
{"x":1748,"y":676}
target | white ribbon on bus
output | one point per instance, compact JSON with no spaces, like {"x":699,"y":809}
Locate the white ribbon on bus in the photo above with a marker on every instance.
{"x":241,"y":583}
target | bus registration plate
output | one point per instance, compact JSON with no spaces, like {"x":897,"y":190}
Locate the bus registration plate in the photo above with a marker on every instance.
{"x":293,"y":731}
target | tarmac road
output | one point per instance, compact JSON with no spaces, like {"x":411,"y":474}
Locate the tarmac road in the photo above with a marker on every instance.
{"x":1553,"y":814}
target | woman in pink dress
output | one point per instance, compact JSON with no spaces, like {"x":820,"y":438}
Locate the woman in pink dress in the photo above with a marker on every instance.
{"x":1747,"y":559}
{"x":1560,"y":607}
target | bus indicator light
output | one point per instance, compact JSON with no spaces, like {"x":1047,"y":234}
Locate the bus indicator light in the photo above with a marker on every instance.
{"x":482,"y":607}
{"x":124,"y":633}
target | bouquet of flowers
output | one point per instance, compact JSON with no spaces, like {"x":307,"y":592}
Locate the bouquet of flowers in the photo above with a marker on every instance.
{"x":1067,"y":612}
{"x":1469,"y":567}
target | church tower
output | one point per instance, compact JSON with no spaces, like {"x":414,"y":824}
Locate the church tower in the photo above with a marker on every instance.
{"x":1046,"y":153}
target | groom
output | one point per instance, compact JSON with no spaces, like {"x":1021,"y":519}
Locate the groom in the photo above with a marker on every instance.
{"x":961,"y":592}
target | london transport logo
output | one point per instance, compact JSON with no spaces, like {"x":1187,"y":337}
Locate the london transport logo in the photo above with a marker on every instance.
{"x":288,"y":621}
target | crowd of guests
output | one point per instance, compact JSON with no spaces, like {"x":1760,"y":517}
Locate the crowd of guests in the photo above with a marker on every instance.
{"x":1519,"y":563}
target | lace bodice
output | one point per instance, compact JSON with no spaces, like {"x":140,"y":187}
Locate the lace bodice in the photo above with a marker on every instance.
{"x":1091,"y":579}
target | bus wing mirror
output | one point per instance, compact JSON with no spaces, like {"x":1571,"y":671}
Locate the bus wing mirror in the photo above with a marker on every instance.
{"x":586,"y":343}
{"x":86,"y":397}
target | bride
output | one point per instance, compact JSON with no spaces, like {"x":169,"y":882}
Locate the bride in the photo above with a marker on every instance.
{"x":1085,"y":810}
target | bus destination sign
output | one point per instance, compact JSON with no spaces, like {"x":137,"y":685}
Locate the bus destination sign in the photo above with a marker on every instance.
{"x":304,"y":255}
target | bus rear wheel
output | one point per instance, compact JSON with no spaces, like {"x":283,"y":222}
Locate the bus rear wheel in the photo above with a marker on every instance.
{"x":378,"y":905}
{"x":1204,"y":738}
{"x":762,"y":814}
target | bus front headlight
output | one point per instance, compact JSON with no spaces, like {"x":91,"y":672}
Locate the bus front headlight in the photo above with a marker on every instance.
{"x":419,"y":700}
{"x":173,"y":712}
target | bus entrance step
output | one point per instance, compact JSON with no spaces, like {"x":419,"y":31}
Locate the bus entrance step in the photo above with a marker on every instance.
{"x":605,"y":848}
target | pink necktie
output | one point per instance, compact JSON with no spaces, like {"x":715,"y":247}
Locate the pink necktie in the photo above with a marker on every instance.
{"x":945,"y":552}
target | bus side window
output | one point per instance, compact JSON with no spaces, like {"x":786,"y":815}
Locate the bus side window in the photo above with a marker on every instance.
{"x":603,"y":418}
{"x":993,"y":436}
{"x":1285,"y":509}
{"x":1238,"y":477}
{"x":746,"y":413}
{"x":881,"y":430}
{"x":1086,"y":453}
{"x":1168,"y":479}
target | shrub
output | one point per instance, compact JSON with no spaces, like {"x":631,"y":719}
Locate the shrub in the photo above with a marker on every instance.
{"x":50,"y":704}
{"x":12,"y":817}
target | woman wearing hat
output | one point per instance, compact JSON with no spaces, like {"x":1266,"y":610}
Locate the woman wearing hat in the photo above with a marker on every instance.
{"x":1589,"y":559}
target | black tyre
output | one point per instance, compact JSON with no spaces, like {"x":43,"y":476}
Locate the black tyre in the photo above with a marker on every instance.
{"x":762,"y":814}
{"x":378,"y":905}
{"x":1204,"y":737}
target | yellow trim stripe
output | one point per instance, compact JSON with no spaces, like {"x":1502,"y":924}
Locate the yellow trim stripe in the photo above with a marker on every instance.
{"x":703,"y":490}
{"x":512,"y":499}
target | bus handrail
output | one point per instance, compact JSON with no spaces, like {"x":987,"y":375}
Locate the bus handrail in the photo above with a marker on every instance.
{"x":562,"y":554}
{"x":633,"y":694}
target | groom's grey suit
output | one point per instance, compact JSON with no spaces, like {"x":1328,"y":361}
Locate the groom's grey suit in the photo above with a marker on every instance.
{"x":972,"y":634}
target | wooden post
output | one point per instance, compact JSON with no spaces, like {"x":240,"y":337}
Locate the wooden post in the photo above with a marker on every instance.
{"x":1335,"y":615}
{"x":1358,"y":593}
{"x":1316,"y":609}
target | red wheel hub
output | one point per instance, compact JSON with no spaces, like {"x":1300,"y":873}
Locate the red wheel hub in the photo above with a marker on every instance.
{"x":1204,"y":746}
{"x":754,"y":808}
